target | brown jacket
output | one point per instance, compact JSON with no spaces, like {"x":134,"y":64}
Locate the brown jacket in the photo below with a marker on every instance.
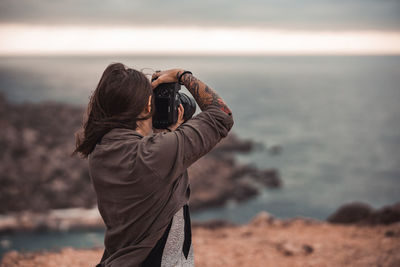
{"x":141,"y":182}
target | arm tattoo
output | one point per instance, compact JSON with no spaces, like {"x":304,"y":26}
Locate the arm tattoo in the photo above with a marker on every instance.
{"x":203,"y":94}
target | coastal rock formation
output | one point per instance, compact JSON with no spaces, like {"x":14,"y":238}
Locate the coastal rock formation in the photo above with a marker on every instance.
{"x":351,"y":213}
{"x":265,"y":241}
{"x":80,"y":219}
{"x":38,"y":174}
{"x":363,"y":213}
{"x":62,"y":220}
{"x":217,"y":180}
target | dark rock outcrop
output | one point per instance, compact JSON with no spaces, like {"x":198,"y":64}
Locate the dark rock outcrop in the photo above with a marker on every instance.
{"x":385,"y":215}
{"x":351,"y":213}
{"x":363,"y":213}
{"x":214,"y":181}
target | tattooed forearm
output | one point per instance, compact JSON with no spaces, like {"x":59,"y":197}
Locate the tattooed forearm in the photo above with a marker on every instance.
{"x":203,"y":94}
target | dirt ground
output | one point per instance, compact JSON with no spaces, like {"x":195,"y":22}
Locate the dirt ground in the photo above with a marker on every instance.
{"x":263,"y":242}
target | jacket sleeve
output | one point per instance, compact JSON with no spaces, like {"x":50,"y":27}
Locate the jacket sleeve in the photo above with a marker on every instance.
{"x":169,"y":154}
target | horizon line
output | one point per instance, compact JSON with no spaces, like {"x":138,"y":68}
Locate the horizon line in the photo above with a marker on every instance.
{"x":56,"y":40}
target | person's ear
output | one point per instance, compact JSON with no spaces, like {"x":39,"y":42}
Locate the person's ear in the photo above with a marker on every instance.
{"x":149,"y":104}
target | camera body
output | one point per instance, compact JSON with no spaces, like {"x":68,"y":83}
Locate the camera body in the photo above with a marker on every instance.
{"x":167,"y":100}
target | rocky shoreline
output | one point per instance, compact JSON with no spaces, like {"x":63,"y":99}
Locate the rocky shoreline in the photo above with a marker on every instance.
{"x":38,"y":174}
{"x":44,"y":189}
{"x":264,"y":241}
{"x":64,"y":220}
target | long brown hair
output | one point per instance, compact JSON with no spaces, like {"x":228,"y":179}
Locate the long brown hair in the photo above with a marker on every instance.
{"x":121,"y":95}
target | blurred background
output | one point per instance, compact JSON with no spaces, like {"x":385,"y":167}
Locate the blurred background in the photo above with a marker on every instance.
{"x":314,"y":87}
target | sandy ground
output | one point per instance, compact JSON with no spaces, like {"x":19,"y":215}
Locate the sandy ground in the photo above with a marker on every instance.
{"x":263,"y":242}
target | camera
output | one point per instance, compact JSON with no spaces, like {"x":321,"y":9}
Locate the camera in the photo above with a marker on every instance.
{"x":167,"y":100}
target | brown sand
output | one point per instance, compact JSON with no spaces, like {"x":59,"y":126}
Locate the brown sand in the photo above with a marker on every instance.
{"x":263,"y":242}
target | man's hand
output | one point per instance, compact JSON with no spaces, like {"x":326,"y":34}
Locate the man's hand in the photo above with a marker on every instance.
{"x":166,"y":76}
{"x":181,"y":110}
{"x":180,"y":120}
{"x":203,"y":94}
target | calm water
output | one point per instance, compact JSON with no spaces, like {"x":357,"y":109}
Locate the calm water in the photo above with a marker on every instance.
{"x":50,"y":241}
{"x":337,"y":119}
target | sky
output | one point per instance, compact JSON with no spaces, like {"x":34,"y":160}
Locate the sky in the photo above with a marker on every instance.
{"x":192,"y":27}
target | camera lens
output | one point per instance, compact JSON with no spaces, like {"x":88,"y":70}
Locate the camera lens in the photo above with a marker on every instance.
{"x":188,"y":104}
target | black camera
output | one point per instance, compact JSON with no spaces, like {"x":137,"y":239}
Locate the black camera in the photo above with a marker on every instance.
{"x":167,"y":100}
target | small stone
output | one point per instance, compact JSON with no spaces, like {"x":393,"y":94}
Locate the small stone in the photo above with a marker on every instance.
{"x":390,"y":233}
{"x":262,"y":218}
{"x":286,"y":249}
{"x":308,"y":249}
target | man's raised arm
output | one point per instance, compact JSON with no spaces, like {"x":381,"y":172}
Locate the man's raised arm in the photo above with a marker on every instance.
{"x":203,"y":94}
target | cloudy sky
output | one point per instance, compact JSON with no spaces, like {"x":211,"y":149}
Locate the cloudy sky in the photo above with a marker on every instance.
{"x":228,"y":26}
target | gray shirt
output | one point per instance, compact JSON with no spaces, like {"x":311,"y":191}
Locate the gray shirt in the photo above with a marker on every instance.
{"x":141,"y":182}
{"x":173,"y":255}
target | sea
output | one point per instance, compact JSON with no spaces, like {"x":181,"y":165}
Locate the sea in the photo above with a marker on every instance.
{"x":335,"y":118}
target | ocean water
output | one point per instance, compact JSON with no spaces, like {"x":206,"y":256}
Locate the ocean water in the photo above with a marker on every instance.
{"x":337,"y":120}
{"x":42,"y":241}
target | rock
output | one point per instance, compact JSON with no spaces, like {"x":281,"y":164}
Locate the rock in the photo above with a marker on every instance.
{"x":244,"y":190}
{"x":364,"y":213}
{"x":308,"y":249}
{"x":7,"y":223}
{"x":233,"y":144}
{"x":285,"y":249}
{"x":53,"y":220}
{"x":351,"y":213}
{"x":392,"y":233}
{"x":292,"y":249}
{"x":215,"y":181}
{"x":244,"y":170}
{"x":269,"y":178}
{"x":385,"y":215}
{"x":261,"y":219}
